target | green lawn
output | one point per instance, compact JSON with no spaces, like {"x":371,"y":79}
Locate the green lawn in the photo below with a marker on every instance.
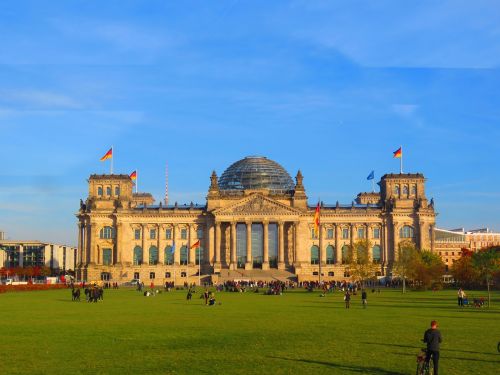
{"x":297,"y":333}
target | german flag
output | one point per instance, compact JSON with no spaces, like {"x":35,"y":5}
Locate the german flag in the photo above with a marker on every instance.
{"x":398,"y":153}
{"x":316,"y":221}
{"x":108,"y":155}
{"x":133,"y":176}
{"x":195,"y":245}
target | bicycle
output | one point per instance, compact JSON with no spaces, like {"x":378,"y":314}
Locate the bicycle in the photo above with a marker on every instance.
{"x":498,"y":347}
{"x":424,"y":368}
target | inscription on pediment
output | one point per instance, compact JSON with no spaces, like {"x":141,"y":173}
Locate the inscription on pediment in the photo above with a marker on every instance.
{"x":258,"y":205}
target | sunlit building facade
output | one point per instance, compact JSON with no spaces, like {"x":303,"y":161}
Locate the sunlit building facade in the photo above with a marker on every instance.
{"x":256,"y":224}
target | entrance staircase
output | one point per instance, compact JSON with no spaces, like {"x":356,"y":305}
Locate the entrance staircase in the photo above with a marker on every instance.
{"x":255,"y":275}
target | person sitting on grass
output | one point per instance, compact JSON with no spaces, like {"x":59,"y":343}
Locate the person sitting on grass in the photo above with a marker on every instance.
{"x":211,"y":300}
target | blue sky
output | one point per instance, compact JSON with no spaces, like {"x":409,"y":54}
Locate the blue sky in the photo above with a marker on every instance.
{"x":328,"y":87}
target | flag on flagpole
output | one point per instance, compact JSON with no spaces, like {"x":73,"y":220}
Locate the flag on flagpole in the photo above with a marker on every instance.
{"x":133,"y":176}
{"x":316,"y":221}
{"x":108,"y":155}
{"x":398,"y":153}
{"x":172,"y":250}
{"x":195,"y":245}
{"x":371,"y":176}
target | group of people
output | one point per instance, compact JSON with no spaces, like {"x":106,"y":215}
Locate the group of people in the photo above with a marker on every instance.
{"x":463,"y":300}
{"x":364,"y":298}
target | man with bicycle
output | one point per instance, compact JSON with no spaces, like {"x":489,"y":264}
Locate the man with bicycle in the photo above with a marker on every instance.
{"x":432,"y":337}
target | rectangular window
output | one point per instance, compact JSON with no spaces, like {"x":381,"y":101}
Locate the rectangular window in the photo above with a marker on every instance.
{"x":151,"y":276}
{"x":313,"y":234}
{"x":136,"y":275}
{"x":108,"y":191}
{"x":152,"y":234}
{"x":376,"y":233}
{"x":99,"y":191}
{"x":117,"y":191}
{"x":361,"y":232}
{"x":184,"y":234}
{"x":329,"y":233}
{"x":168,"y":234}
{"x":137,"y":234}
{"x":345,"y":233}
{"x":199,"y":233}
{"x":167,"y":275}
{"x":106,"y":257}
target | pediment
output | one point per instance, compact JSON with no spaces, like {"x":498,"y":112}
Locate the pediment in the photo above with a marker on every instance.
{"x":257,"y":205}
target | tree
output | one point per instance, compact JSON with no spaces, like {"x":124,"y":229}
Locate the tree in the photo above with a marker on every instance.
{"x":45,"y":271}
{"x":360,"y":264}
{"x":429,"y":269}
{"x":487,"y":263}
{"x":463,"y":271}
{"x":406,"y":261}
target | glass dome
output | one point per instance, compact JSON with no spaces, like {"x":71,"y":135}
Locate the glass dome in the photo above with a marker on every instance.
{"x":256,"y":172}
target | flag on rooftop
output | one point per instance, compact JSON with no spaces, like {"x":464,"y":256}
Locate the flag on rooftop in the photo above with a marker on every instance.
{"x":133,"y":175}
{"x":398,"y":153}
{"x":371,"y":176}
{"x":108,"y":155}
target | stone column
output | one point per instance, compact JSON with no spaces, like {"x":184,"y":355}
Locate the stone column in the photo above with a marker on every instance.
{"x":322,"y":248}
{"x":433,"y":237}
{"x":143,"y":243}
{"x":368,"y":238}
{"x":21,"y":255}
{"x":217,"y":264}
{"x":421,"y":239}
{"x":281,"y":245}
{"x":79,"y":261}
{"x":210,"y":241}
{"x":192,"y":252}
{"x":161,"y":244}
{"x":338,"y":250}
{"x":118,"y":243}
{"x":233,"y":265}
{"x":296,"y":249}
{"x":385,"y":245}
{"x":88,"y":243}
{"x":249,"y":262}
{"x":395,"y":241}
{"x":265,"y":260}
{"x":178,"y":245}
{"x":93,"y":244}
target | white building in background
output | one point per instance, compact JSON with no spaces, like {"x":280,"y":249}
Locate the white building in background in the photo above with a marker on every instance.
{"x":37,"y":254}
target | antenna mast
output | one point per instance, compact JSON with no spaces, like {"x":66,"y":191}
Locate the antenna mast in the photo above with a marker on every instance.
{"x":166,"y":184}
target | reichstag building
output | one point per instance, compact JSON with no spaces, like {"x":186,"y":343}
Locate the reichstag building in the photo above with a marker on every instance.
{"x":256,"y":224}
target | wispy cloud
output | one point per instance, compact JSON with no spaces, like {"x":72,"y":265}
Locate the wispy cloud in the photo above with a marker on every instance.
{"x":29,"y":98}
{"x":405,"y":110}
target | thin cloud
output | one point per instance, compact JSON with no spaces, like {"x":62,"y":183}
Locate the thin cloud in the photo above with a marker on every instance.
{"x":38,"y":99}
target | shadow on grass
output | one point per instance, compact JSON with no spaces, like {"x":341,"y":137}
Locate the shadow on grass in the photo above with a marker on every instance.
{"x":344,"y":367}
{"x":444,"y":356}
{"x":442,"y":351}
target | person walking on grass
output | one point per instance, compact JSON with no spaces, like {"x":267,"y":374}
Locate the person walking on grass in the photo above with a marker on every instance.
{"x":347,"y":299}
{"x":461,"y":295}
{"x":364,"y":298}
{"x":432,"y":337}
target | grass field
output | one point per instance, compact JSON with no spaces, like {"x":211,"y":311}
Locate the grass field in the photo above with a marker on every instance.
{"x":297,"y":333}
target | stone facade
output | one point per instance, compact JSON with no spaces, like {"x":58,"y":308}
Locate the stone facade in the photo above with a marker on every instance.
{"x":124,"y":235}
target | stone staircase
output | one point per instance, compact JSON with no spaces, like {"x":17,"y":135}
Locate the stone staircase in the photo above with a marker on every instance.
{"x":255,"y":275}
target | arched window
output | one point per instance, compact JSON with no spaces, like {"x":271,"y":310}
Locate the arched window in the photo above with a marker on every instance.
{"x":405,"y":190}
{"x":345,"y":254}
{"x":117,"y":191}
{"x":184,"y":255}
{"x":330,"y":254}
{"x":396,"y":190}
{"x":99,"y":191}
{"x":137,"y":256}
{"x":406,"y":232}
{"x":153,"y":255}
{"x":414,"y":190}
{"x":376,"y":254}
{"x":314,"y":254}
{"x":169,"y":255}
{"x":107,"y":233}
{"x":108,"y":190}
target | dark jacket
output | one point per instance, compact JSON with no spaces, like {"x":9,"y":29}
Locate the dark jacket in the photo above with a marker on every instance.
{"x":432,"y":337}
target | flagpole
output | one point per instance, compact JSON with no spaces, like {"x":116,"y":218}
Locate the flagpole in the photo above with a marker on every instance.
{"x":199,"y":266}
{"x":401,"y":160}
{"x":136,"y":181}
{"x":373,"y":184}
{"x":112,"y":156}
{"x":320,"y":239}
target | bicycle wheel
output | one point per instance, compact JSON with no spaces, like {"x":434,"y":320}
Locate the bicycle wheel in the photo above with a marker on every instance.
{"x":429,"y":368}
{"x":420,"y":368}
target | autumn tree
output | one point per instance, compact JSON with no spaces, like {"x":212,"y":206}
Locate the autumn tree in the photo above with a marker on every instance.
{"x":361,"y":265}
{"x":429,"y":268}
{"x":463,"y":271}
{"x":487,"y":263}
{"x":406,"y":261}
